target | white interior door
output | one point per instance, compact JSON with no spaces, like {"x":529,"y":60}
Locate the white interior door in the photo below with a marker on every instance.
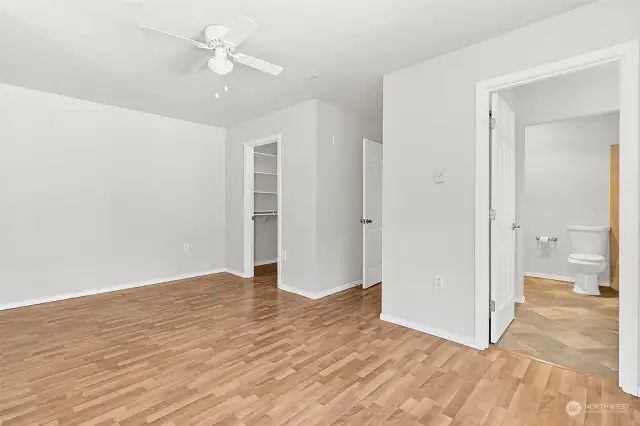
{"x":372,"y":213}
{"x":503,"y":205}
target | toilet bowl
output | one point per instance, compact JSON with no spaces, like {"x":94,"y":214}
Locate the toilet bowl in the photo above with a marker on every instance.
{"x":586,"y":268}
{"x":588,"y":257}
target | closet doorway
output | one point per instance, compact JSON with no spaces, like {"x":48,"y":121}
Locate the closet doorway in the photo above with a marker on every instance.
{"x":263,"y":206}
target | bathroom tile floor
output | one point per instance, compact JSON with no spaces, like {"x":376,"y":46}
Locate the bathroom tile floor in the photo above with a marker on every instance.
{"x":556,"y":325}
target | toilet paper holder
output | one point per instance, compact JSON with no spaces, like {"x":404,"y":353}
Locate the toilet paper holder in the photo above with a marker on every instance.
{"x":551,"y":239}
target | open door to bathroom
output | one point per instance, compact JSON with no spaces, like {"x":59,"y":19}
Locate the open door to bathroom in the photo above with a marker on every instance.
{"x":614,"y":204}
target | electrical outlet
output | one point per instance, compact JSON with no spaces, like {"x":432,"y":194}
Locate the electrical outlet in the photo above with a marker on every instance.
{"x":185,"y":248}
{"x":439,"y":282}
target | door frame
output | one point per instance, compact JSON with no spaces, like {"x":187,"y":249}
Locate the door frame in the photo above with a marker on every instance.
{"x":627,"y":55}
{"x":248,"y":223}
{"x":364,"y":203}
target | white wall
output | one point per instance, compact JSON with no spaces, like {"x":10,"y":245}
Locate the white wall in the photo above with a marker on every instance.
{"x":297,"y":124}
{"x":429,"y":123}
{"x":566,"y":183}
{"x":265,"y":240}
{"x":321,"y":192}
{"x":587,"y":92}
{"x":583,"y":93}
{"x":94,"y":196}
{"x":339,"y":193}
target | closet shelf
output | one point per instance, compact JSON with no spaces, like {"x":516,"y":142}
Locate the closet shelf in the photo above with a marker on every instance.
{"x":266,"y":173}
{"x":264,"y":153}
{"x":265,"y":214}
{"x":266,"y":192}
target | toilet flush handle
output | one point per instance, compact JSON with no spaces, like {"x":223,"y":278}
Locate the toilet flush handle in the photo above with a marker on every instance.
{"x":514,"y":227}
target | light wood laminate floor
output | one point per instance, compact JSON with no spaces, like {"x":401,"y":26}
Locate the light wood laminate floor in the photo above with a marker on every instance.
{"x":224,"y":350}
{"x":557,"y":325}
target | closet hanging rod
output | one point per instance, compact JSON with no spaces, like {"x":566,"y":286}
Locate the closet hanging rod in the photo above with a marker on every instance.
{"x":264,"y":214}
{"x":264,"y":153}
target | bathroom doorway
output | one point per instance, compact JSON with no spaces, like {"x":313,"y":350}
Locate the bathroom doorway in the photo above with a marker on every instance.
{"x":564,"y":227}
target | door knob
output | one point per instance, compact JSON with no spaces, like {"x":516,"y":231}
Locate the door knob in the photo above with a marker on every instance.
{"x":514,"y":227}
{"x":363,"y":221}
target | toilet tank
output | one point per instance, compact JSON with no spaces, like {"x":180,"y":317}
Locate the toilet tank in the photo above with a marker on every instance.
{"x":589,"y":239}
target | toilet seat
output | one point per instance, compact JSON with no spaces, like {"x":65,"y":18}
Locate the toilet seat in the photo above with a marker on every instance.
{"x":585,"y":257}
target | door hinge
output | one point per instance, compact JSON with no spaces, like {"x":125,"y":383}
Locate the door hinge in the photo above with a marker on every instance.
{"x":492,"y":214}
{"x":492,"y":120}
{"x":492,"y":306}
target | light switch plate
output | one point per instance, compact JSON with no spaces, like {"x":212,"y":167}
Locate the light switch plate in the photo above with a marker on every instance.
{"x":438,"y":176}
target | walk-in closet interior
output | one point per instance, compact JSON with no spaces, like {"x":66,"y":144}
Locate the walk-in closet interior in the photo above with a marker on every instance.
{"x":266,"y":206}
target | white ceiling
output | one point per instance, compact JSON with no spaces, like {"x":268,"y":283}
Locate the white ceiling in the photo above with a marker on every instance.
{"x":96,"y":50}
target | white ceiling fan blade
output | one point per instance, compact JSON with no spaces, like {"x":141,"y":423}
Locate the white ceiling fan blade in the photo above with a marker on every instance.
{"x":197,"y":43}
{"x":201,"y":64}
{"x":240,"y":31}
{"x":258,"y":64}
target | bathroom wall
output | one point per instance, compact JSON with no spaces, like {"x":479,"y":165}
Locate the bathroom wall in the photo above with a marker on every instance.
{"x":566,"y":183}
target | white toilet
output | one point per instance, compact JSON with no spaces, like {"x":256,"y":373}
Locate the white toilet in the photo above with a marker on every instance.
{"x":588,"y":256}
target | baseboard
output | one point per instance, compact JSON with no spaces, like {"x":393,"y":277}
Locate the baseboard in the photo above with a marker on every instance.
{"x":463,"y":340}
{"x":266,"y":262}
{"x":319,"y":295}
{"x":520,"y":299}
{"x":338,"y":289}
{"x":93,"y":292}
{"x":549,"y":277}
{"x":236,"y":273}
{"x":560,"y":278}
{"x":297,"y":291}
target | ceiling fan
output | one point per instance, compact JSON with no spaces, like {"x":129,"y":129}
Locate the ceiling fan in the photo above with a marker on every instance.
{"x":222,"y":41}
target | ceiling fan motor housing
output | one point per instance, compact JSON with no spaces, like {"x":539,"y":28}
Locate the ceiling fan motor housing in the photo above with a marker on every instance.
{"x":214,"y":33}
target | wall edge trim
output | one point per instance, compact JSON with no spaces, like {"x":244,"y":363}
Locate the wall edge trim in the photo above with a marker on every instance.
{"x":463,"y":340}
{"x":74,"y":295}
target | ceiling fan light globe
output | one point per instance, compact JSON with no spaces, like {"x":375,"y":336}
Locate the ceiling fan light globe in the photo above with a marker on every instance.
{"x":220,"y":66}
